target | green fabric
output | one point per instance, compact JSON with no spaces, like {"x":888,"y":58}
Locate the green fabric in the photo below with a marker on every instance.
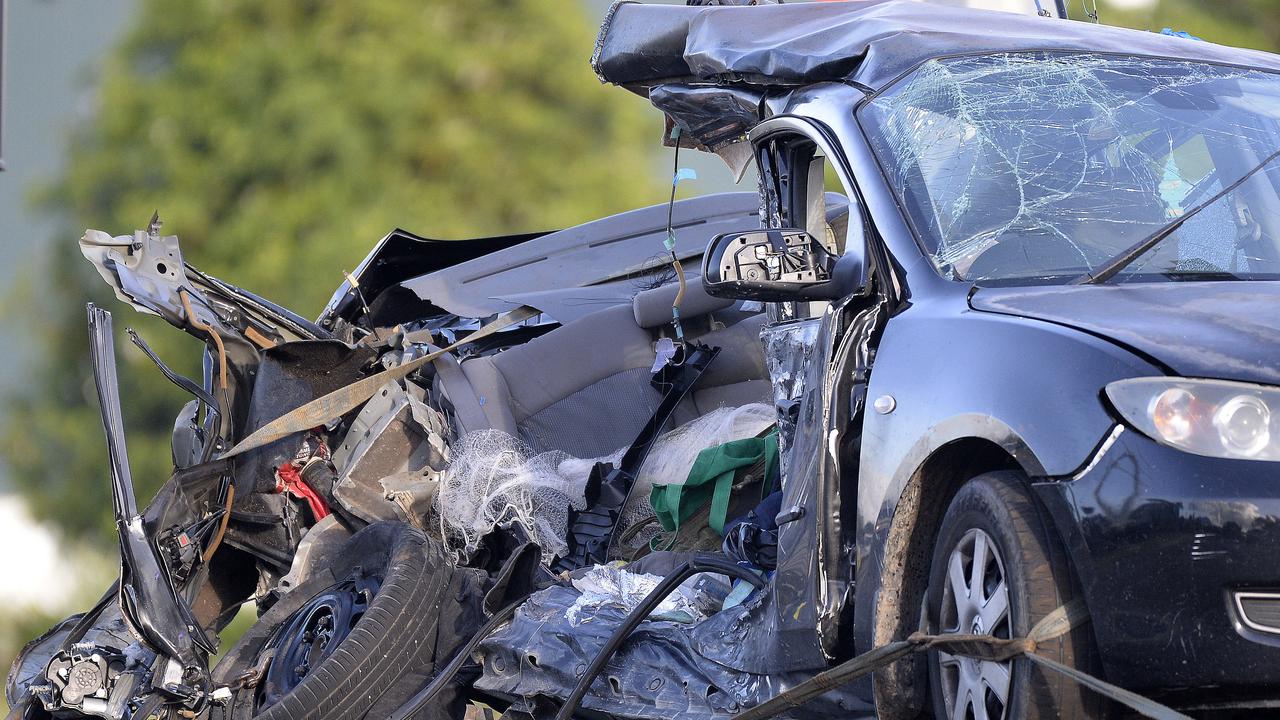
{"x":711,"y":479}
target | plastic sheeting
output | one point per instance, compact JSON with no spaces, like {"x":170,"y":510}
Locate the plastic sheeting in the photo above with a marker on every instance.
{"x":867,"y":42}
{"x":614,"y":585}
{"x":658,"y":673}
{"x":495,"y":479}
{"x":776,"y":631}
{"x":788,"y":349}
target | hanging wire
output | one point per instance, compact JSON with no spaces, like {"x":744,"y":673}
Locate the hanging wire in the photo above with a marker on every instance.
{"x":677,"y":174}
{"x":1091,"y":14}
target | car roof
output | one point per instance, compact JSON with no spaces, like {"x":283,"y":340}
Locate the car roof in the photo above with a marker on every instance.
{"x":868,"y":42}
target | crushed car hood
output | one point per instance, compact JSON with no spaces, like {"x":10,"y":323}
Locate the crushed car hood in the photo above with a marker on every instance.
{"x":1226,"y":330}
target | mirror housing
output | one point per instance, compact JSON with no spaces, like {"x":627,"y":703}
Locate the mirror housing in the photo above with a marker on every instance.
{"x":776,"y":265}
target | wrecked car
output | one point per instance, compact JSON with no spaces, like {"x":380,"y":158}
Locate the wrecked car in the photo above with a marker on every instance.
{"x":991,"y":349}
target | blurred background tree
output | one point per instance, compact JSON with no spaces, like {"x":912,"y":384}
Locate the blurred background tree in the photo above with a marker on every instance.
{"x":1243,"y":23}
{"x":279,"y":141}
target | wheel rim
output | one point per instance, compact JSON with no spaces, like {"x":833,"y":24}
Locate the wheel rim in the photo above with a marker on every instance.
{"x":975,"y":600}
{"x":313,"y":633}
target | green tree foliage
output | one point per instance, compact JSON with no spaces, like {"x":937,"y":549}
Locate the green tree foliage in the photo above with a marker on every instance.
{"x":1242,"y":23}
{"x":279,"y":140}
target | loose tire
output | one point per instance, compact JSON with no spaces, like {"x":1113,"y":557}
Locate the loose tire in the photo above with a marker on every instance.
{"x":998,"y":568}
{"x":392,"y":634}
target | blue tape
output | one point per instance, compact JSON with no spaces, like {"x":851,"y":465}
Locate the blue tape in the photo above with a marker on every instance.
{"x":1180,"y":34}
{"x":683,"y":174}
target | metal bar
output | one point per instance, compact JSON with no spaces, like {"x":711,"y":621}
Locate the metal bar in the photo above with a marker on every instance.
{"x":147,"y":597}
{"x":4,"y":28}
{"x":103,"y":354}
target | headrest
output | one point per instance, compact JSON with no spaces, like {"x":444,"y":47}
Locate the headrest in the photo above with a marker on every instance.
{"x":653,"y":307}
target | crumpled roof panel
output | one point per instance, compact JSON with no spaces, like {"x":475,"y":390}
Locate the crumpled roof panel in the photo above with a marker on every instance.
{"x":870,"y":42}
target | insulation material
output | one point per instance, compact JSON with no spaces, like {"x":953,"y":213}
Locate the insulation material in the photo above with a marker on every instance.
{"x":613,"y":585}
{"x":496,"y":479}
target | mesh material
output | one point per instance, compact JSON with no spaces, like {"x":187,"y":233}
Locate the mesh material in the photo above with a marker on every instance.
{"x":596,"y":419}
{"x":496,"y":479}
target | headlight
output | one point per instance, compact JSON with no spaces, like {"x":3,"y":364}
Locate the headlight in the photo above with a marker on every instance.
{"x":1206,"y":417}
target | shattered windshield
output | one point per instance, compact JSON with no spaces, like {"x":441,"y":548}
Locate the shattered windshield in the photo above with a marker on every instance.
{"x":1042,"y":167}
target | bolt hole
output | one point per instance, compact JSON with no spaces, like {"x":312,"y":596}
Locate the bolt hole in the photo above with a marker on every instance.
{"x":162,"y":268}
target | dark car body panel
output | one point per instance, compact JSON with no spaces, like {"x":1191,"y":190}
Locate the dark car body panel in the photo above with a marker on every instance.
{"x":956,"y":374}
{"x":1228,"y":330}
{"x":1159,"y":538}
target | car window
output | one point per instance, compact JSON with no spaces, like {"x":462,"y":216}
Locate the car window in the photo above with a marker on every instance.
{"x":1038,"y":167}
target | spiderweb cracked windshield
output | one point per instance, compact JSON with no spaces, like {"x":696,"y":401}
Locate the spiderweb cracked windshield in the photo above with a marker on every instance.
{"x":1044,"y":166}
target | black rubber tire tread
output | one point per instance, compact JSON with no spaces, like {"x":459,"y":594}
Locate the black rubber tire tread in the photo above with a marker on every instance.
{"x":396,"y":635}
{"x":1040,"y":580}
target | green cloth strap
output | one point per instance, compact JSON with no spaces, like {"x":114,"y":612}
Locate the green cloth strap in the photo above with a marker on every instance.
{"x":711,"y":479}
{"x":720,"y":502}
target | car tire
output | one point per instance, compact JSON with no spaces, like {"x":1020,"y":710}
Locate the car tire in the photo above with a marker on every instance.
{"x":994,"y":524}
{"x":392,"y":640}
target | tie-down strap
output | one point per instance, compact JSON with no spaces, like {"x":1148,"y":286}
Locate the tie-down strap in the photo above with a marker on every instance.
{"x":345,"y":399}
{"x":979,"y":647}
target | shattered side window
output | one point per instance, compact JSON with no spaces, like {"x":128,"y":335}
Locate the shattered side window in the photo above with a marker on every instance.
{"x":1040,"y":167}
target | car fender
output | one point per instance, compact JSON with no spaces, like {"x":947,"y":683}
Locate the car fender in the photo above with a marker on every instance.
{"x":946,"y":376}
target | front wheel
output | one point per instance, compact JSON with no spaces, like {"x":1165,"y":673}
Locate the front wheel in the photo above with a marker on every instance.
{"x":998,"y":569}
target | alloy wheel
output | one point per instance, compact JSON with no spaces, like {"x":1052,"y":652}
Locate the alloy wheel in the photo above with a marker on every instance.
{"x":975,"y":601}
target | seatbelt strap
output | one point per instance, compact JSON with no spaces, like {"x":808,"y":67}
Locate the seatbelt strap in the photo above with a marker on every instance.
{"x":608,"y":487}
{"x":466,"y":404}
{"x":343,"y":400}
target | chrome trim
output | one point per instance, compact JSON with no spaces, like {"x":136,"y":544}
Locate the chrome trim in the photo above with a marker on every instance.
{"x":1238,"y":595}
{"x":1116,"y":432}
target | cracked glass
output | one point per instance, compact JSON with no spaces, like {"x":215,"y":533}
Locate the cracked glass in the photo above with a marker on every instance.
{"x":1027,"y":168}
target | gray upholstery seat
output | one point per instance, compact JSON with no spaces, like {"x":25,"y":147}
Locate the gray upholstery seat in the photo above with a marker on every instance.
{"x":584,"y":387}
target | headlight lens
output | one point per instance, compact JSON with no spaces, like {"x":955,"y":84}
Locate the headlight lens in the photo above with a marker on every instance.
{"x":1206,"y":417}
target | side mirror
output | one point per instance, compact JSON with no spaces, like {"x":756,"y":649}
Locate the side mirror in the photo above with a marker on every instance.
{"x":773,"y":265}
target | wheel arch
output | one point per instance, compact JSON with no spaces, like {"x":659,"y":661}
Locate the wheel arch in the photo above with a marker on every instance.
{"x":901,"y":690}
